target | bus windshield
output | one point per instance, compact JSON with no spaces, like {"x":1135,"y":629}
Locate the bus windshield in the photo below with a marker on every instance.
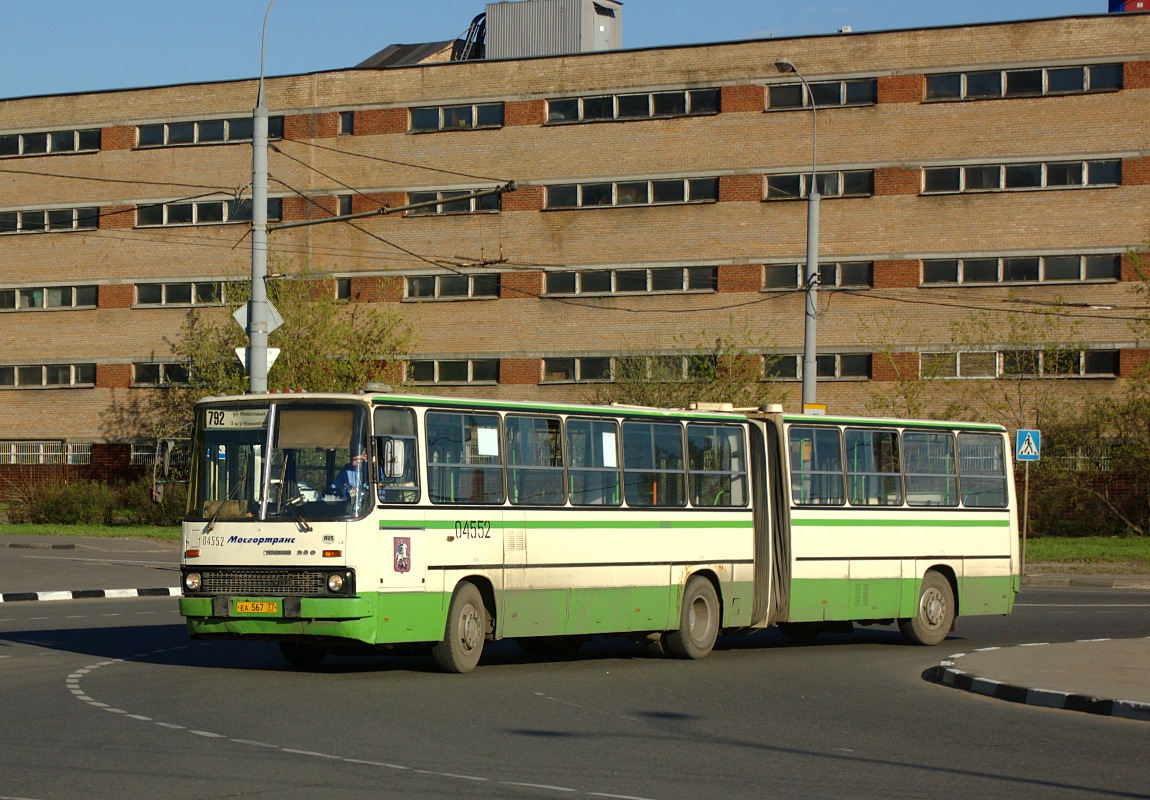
{"x":281,"y":461}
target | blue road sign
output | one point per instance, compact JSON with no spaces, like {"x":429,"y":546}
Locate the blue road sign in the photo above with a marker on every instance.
{"x":1027,"y":445}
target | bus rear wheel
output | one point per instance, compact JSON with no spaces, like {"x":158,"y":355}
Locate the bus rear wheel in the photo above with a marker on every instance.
{"x":462,"y":643}
{"x":934,"y":613}
{"x":698,"y":621}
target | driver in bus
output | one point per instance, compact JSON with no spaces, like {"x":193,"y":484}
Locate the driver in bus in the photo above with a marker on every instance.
{"x":350,"y":479}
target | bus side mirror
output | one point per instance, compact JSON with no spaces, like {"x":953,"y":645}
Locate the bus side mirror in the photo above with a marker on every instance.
{"x":394,"y":457}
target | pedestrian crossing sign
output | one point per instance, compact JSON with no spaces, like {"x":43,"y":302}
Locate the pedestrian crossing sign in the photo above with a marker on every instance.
{"x":1027,"y":445}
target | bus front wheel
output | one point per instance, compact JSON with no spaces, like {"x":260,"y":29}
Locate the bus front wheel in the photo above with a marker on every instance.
{"x":466,"y":630}
{"x":934,"y":613}
{"x":698,"y":621}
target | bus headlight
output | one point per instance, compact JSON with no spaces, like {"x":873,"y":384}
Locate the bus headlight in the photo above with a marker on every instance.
{"x":335,"y":582}
{"x":192,"y":581}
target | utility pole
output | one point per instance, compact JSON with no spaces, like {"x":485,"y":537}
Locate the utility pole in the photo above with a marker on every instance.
{"x":811,"y":275}
{"x":257,"y":356}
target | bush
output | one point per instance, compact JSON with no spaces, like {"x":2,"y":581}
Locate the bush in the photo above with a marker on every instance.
{"x":94,"y":503}
{"x":136,"y":506}
{"x":85,"y":502}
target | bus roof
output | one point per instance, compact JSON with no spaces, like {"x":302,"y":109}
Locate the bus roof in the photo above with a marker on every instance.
{"x":478,"y":403}
{"x":893,"y":422}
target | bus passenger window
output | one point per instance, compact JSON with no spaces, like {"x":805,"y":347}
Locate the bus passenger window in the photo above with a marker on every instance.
{"x":874,"y":475}
{"x":717,"y":465}
{"x":534,"y":461}
{"x":816,"y":466}
{"x":653,"y":467}
{"x":464,"y":465}
{"x":593,"y":462}
{"x":930,"y":468}
{"x":982,"y":470}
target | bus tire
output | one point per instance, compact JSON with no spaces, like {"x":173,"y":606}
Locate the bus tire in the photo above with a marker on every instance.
{"x":698,"y":621}
{"x":302,"y":655}
{"x":466,"y":631}
{"x":934,"y":612}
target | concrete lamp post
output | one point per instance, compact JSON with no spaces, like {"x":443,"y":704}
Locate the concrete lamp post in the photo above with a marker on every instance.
{"x":811,"y":275}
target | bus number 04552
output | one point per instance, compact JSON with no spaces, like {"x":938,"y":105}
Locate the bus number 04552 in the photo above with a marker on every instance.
{"x":473,"y":529}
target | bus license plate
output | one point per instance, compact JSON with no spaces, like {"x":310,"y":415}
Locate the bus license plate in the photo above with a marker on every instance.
{"x":257,"y":607}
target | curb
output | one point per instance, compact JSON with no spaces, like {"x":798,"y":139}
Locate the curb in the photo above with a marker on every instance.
{"x":1094,"y":581}
{"x":37,"y":546}
{"x":89,"y":594}
{"x":947,"y":674}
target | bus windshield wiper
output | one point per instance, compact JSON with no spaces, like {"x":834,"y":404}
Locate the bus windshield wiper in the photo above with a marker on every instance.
{"x":292,"y":507}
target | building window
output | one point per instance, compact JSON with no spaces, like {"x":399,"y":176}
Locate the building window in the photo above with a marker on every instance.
{"x":453,"y":202}
{"x":835,"y":275}
{"x":346,"y":123}
{"x":1021,"y":177}
{"x":587,"y":369}
{"x":642,"y":105}
{"x":1021,"y":269}
{"x":343,"y":288}
{"x":211,"y":131}
{"x":471,"y":370}
{"x":453,"y":118}
{"x":829,"y":366}
{"x":47,"y":375}
{"x":1020,"y":364}
{"x":853,"y":183}
{"x":658,"y":280}
{"x":49,"y":143}
{"x":632,"y":193}
{"x":47,"y":297}
{"x":1030,"y":82}
{"x":211,"y":293}
{"x":860,"y":92}
{"x":344,"y":209}
{"x":203,"y":212}
{"x":53,"y":220}
{"x":149,"y":374}
{"x":453,"y":287}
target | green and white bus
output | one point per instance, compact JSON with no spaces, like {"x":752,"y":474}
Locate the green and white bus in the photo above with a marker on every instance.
{"x":343,"y":523}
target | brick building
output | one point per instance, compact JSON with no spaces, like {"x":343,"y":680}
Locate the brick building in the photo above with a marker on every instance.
{"x":659,"y":204}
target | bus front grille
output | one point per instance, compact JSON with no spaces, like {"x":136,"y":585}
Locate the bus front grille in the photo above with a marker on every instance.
{"x":280,"y":582}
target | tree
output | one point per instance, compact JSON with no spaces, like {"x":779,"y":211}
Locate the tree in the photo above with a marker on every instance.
{"x":325,"y":346}
{"x":727,"y":369}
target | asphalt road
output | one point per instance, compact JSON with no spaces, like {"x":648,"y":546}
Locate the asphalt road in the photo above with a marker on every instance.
{"x":110,"y":699}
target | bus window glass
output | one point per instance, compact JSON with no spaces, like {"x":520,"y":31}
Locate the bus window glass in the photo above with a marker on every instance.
{"x":319,"y":467}
{"x":396,"y":448}
{"x":231,"y":444}
{"x":534,"y":461}
{"x":717,"y":465}
{"x":464,"y":465}
{"x":982,"y":470}
{"x":816,"y":466}
{"x":874,"y":477}
{"x":929,"y":465}
{"x":593,"y":462}
{"x":653,"y":464}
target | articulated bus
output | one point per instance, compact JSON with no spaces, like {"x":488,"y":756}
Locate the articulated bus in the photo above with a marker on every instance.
{"x":351,"y":523}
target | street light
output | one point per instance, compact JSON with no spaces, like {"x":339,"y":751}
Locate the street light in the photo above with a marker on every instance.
{"x":811,"y":276}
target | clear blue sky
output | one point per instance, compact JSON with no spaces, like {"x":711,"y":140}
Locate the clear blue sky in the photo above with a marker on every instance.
{"x":62,"y":46}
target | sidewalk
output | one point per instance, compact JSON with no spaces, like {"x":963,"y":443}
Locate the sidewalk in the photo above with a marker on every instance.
{"x":1101,"y":676}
